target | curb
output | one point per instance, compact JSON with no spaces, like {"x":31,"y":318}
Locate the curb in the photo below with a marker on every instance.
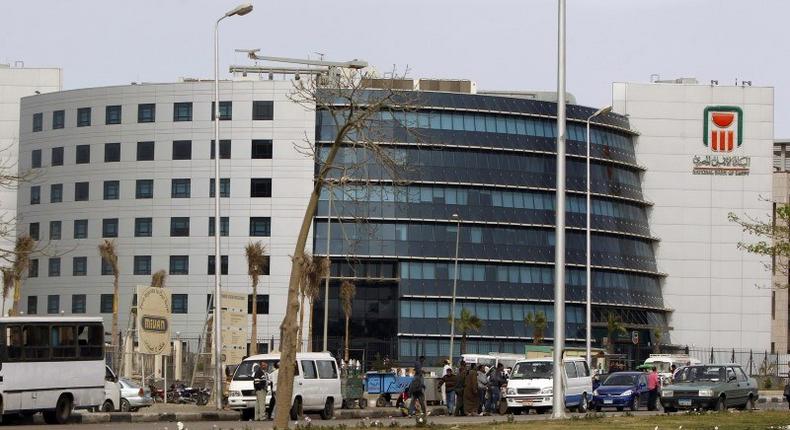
{"x":129,"y":417}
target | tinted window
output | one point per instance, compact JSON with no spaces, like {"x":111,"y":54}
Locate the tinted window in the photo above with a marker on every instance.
{"x":57,"y":156}
{"x":145,"y":151}
{"x":180,"y":188}
{"x":327,"y":369}
{"x":146,"y":112}
{"x":570,"y":369}
{"x":182,"y":150}
{"x":112,"y":115}
{"x":33,"y":229}
{"x":144,"y":189}
{"x":260,"y":226}
{"x":32,"y":305}
{"x":83,"y":155}
{"x":78,"y":303}
{"x":225,"y":111}
{"x":260,"y":187}
{"x":223,"y":265}
{"x":54,"y":230}
{"x":80,"y":228}
{"x":112,"y":190}
{"x":224,"y":226}
{"x":35,"y":194}
{"x":262,"y":110}
{"x":83,"y":117}
{"x":38,"y":121}
{"x":179,"y":264}
{"x":81,"y":191}
{"x":224,"y":187}
{"x":308,"y":369}
{"x":105,"y":304}
{"x":224,"y":149}
{"x":180,"y":303}
{"x":143,"y":227}
{"x":262,"y":305}
{"x":35,"y":159}
{"x":32,"y":271}
{"x":112,"y":152}
{"x":179,"y":226}
{"x":80,"y":266}
{"x":56,"y":193}
{"x":54,"y":266}
{"x":261,"y":148}
{"x":58,"y":119}
{"x":182,"y":111}
{"x":620,"y":379}
{"x":142,"y":264}
{"x":109,"y":227}
{"x":582,"y":369}
{"x":53,"y":304}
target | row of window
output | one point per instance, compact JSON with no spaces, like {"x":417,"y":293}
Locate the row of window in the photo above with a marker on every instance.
{"x":179,"y":304}
{"x":146,"y":112}
{"x":144,"y":227}
{"x":181,"y":150}
{"x":493,"y":311}
{"x":180,"y":188}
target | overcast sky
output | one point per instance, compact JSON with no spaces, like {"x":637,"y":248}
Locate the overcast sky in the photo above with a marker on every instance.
{"x":499,"y":44}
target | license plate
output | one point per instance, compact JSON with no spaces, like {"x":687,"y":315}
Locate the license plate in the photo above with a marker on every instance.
{"x":684,"y":402}
{"x":526,"y":402}
{"x":607,"y":401}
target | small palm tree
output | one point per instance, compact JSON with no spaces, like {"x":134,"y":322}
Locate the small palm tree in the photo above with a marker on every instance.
{"x":465,"y":323}
{"x":158,"y":279}
{"x":613,"y":326}
{"x":8,"y":284}
{"x":109,"y":253}
{"x":22,"y":249}
{"x":538,"y":322}
{"x":312,"y":271}
{"x":347,"y":293}
{"x":256,"y":266}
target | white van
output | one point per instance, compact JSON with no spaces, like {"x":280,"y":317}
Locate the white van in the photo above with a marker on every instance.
{"x":664,"y":362}
{"x":492,"y":359}
{"x":316,"y":384}
{"x":530,"y":385}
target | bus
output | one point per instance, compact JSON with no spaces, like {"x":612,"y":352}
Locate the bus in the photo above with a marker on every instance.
{"x":51,"y":365}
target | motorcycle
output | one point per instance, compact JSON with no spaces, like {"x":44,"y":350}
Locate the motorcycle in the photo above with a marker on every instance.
{"x":188,"y":395}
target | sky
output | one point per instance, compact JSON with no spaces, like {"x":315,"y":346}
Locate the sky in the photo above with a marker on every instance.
{"x":500,"y":44}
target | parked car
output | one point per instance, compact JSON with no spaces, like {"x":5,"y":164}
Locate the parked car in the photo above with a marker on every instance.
{"x":112,"y":392}
{"x":133,"y":396}
{"x":713,"y":386}
{"x":530,"y":385}
{"x":621,"y":390}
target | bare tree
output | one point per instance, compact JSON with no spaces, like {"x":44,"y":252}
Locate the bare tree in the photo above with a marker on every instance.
{"x":347,"y":292}
{"x":109,"y":253}
{"x":256,"y":266}
{"x":23,"y":247}
{"x":8,"y":284}
{"x":354,"y":109}
{"x":10,"y":179}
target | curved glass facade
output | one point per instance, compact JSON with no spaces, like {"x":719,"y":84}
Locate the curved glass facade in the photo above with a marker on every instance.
{"x":491,"y":160}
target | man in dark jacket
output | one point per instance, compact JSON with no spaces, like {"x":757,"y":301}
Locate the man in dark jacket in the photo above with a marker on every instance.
{"x":260,"y":381}
{"x":495,"y":382}
{"x":449,"y":381}
{"x":460,"y":381}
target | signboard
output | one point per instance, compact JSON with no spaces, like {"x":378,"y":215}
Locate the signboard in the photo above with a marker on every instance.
{"x":234,"y":327}
{"x":153,"y":320}
{"x":722,"y":134}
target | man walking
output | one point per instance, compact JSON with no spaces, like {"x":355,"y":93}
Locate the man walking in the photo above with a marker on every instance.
{"x":652,"y":388}
{"x":495,"y":382}
{"x":417,"y":388}
{"x":448,"y":383}
{"x":260,"y":381}
{"x":273,"y":401}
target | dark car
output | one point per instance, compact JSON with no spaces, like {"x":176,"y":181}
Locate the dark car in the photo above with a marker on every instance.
{"x":621,"y":390}
{"x":712,"y":386}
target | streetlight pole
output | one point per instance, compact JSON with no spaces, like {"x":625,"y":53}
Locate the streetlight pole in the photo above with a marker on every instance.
{"x":240,"y":10}
{"x":457,"y":220}
{"x":588,"y":283}
{"x":558,"y":397}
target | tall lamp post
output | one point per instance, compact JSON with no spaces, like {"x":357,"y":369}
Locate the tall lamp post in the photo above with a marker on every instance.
{"x":240,"y":10}
{"x":588,"y":283}
{"x":457,"y":220}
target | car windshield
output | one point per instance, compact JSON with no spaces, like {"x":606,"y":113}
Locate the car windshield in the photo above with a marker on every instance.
{"x":532,"y":370}
{"x":245,"y":370}
{"x":128,"y":383}
{"x":620,"y":379}
{"x":661,"y":366}
{"x":701,"y":373}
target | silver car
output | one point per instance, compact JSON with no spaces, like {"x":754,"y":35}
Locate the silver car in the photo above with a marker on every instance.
{"x":133,"y":396}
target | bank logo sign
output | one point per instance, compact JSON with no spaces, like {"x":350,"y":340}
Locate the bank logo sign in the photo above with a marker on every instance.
{"x":722,"y":134}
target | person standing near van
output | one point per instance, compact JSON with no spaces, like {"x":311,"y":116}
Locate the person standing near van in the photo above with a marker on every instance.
{"x":260,"y":381}
{"x":471,"y":393}
{"x":417,"y":390}
{"x":495,"y":382}
{"x":652,"y":389}
{"x":442,"y":375}
{"x":460,"y":382}
{"x":273,"y":401}
{"x":482,"y":389}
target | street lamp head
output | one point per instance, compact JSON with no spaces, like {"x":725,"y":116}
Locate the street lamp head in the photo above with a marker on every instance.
{"x":240,"y":10}
{"x":455,"y":217}
{"x":602,"y":111}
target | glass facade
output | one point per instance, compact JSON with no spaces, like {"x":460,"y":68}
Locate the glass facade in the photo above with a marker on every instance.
{"x":492,"y":161}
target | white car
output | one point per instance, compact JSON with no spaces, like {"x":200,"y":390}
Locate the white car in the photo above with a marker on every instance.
{"x":316,"y":384}
{"x":530,"y":385}
{"x":133,"y":396}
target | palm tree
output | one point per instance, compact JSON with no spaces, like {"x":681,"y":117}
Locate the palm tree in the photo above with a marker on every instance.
{"x":256,"y":266}
{"x":312,"y":271}
{"x":22,"y":249}
{"x":613,"y":326}
{"x":8,"y":284}
{"x":538,"y":322}
{"x":158,"y":279}
{"x":465,"y":323}
{"x":657,"y":335}
{"x":347,"y":293}
{"x":109,"y":253}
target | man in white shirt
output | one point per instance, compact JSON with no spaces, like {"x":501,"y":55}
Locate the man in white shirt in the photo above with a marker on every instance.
{"x":444,"y":372}
{"x":273,"y":401}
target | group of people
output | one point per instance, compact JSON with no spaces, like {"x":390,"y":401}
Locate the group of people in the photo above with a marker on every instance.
{"x":472,"y":390}
{"x":263,"y":382}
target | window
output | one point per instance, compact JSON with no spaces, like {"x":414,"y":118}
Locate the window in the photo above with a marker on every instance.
{"x":109,"y":227}
{"x":32,"y":270}
{"x":54,"y":266}
{"x":144,"y":189}
{"x":182,"y":150}
{"x":143,"y":227}
{"x":58,"y":119}
{"x":225,"y":111}
{"x":32,"y":305}
{"x":35,"y":159}
{"x":81,"y":191}
{"x":180,"y":303}
{"x":582,"y":369}
{"x":145,"y":151}
{"x":327,"y":369}
{"x":80,"y":229}
{"x":105,"y":306}
{"x":224,"y":226}
{"x":308,"y":367}
{"x":83,"y":155}
{"x":146,"y":112}
{"x":83,"y":117}
{"x":57,"y":156}
{"x":106,"y":267}
{"x":53,"y":304}
{"x":78,"y":303}
{"x":56,"y":193}
{"x":182,"y":111}
{"x":35,"y":194}
{"x":263,"y":304}
{"x":79,"y":266}
{"x":142,"y":264}
{"x":112,"y":190}
{"x":54,"y":230}
{"x":570,"y":369}
{"x":223,"y":265}
{"x":224,"y":187}
{"x":112,"y":114}
{"x":34,"y":230}
{"x":112,"y":152}
{"x":38,"y":122}
{"x":179,"y":226}
{"x":262,"y":149}
{"x":260,"y":226}
{"x":263,"y":110}
{"x":180,"y":188}
{"x":179,"y":264}
{"x":260,"y":187}
{"x":224,"y":149}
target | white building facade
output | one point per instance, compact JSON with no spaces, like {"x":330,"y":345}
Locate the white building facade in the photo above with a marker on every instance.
{"x":133,"y":164}
{"x":707,"y":150}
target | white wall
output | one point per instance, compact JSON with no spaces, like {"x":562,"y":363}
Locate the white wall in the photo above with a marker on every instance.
{"x":720,"y":296}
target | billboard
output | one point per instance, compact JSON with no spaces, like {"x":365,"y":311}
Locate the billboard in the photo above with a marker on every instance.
{"x":153,"y":320}
{"x":234,"y":327}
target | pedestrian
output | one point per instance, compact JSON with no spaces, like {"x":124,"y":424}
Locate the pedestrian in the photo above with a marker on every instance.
{"x":652,"y":388}
{"x":417,"y":389}
{"x":448,"y":382}
{"x":273,"y":400}
{"x":471,"y":394}
{"x":260,"y":381}
{"x":482,"y":389}
{"x":441,"y":375}
{"x":495,"y":383}
{"x":460,"y":383}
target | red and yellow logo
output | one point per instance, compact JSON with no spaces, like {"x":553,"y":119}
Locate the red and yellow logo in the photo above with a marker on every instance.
{"x":723,"y":126}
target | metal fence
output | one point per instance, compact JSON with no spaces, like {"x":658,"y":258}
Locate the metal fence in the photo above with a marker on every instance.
{"x":755,"y":363}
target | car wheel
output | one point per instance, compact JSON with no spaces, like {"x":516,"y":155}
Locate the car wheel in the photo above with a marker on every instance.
{"x":296,"y":409}
{"x":583,"y":404}
{"x":107,"y":406}
{"x":721,"y":404}
{"x":125,"y":406}
{"x":329,"y":409}
{"x":62,"y":411}
{"x":381,"y":402}
{"x":363,"y":403}
{"x":635,"y":403}
{"x":247,"y":414}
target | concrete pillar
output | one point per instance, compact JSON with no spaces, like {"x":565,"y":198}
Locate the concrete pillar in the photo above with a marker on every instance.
{"x":177,"y":360}
{"x":158,"y":366}
{"x":127,"y":357}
